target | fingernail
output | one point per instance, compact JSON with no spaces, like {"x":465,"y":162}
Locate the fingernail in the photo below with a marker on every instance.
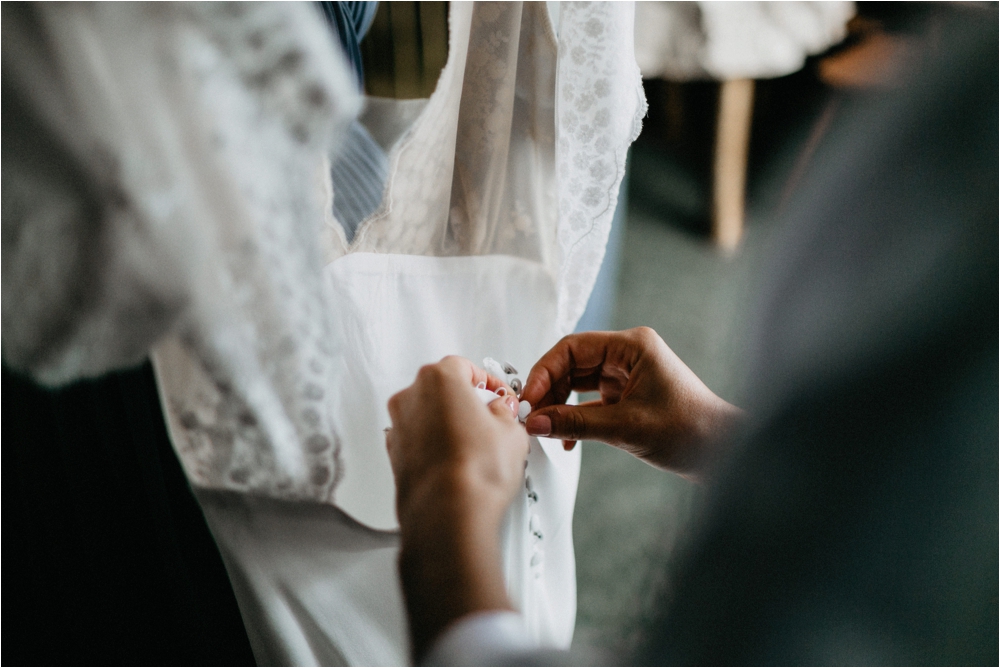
{"x":511,"y":402}
{"x":540,"y":425}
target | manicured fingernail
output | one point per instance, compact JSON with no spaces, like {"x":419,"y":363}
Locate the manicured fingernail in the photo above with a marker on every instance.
{"x":540,"y":425}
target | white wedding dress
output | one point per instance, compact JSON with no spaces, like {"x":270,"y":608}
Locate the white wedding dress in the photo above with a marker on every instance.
{"x":282,"y":341}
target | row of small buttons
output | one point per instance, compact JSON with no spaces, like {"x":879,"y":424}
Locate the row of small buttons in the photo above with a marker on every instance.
{"x":535,"y":529}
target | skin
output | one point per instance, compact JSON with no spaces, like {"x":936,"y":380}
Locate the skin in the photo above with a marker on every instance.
{"x":652,"y":405}
{"x":458,"y":464}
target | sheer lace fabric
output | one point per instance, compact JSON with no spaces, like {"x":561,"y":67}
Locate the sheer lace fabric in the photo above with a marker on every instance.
{"x":599,"y":110}
{"x":516,"y":190}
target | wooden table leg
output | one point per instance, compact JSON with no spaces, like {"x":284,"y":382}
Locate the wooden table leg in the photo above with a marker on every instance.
{"x":732,"y":144}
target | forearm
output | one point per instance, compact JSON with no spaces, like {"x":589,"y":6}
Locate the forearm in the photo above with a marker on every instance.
{"x":694,"y":449}
{"x":458,"y":464}
{"x":451,"y":569}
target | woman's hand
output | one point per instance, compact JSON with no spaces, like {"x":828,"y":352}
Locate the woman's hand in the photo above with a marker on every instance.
{"x":652,"y":405}
{"x":458,"y":464}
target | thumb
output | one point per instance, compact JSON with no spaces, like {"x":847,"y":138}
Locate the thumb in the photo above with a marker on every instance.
{"x":573,"y":423}
{"x":504,"y":407}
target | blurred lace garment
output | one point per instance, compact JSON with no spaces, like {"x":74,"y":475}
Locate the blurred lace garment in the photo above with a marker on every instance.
{"x":163,"y":165}
{"x":681,"y":41}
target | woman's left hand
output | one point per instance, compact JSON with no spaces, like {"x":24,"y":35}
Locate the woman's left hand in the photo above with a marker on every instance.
{"x":458,"y":464}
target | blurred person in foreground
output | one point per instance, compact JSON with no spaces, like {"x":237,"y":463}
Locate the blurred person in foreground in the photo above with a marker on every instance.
{"x":852,"y":509}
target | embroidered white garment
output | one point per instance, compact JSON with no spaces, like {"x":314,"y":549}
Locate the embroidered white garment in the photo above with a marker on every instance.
{"x":734,"y":40}
{"x":214,"y":121}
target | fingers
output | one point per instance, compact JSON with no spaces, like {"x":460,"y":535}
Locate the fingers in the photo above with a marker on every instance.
{"x":585,"y":361}
{"x":549,"y":376}
{"x":448,"y":384}
{"x":575,"y":363}
{"x":569,"y":444}
{"x":574,"y":423}
{"x":463,"y":368}
{"x":504,"y":407}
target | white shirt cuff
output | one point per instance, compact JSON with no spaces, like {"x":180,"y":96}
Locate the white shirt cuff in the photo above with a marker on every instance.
{"x":481,"y":639}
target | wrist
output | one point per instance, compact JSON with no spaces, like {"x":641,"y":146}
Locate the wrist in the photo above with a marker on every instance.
{"x":447,"y":502}
{"x":693,"y":438}
{"x":449,"y":561}
{"x":707,"y":436}
{"x":449,"y":568}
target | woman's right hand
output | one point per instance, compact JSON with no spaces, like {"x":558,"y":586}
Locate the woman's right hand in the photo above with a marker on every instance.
{"x":652,"y":405}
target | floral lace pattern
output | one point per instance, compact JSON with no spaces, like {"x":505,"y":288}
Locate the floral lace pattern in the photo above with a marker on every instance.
{"x":600,"y":106}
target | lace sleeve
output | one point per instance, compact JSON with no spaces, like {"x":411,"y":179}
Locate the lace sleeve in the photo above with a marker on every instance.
{"x":173,"y":189}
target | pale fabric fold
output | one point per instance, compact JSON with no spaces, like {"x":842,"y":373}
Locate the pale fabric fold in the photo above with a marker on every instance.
{"x":734,"y":40}
{"x":480,"y":640}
